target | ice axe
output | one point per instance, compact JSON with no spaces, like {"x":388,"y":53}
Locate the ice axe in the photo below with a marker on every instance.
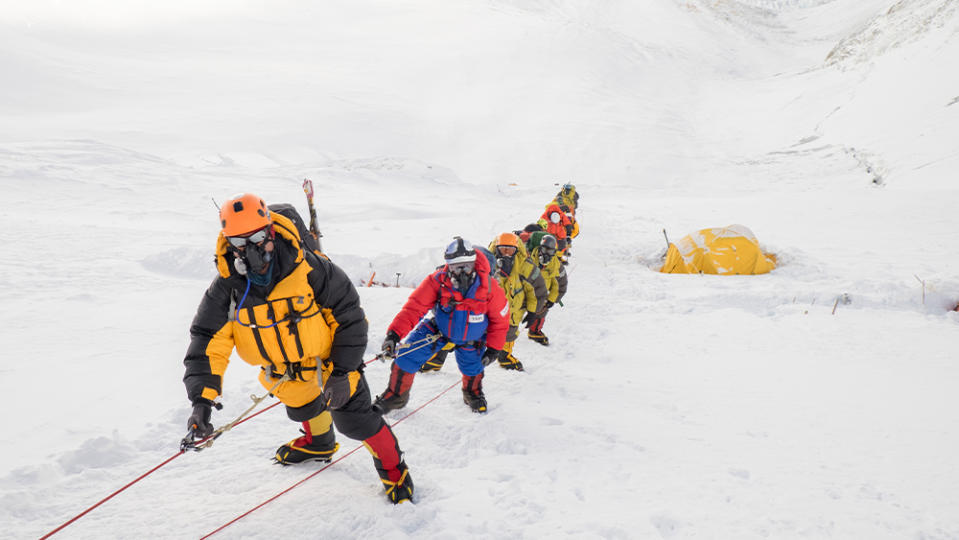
{"x":314,"y":226}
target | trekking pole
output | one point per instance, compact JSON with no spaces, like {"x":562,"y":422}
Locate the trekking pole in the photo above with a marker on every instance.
{"x":314,"y":226}
{"x":667,"y":239}
{"x":189,"y":443}
{"x":430,"y":339}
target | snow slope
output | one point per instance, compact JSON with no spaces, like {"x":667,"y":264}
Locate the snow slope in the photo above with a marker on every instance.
{"x":667,"y":406}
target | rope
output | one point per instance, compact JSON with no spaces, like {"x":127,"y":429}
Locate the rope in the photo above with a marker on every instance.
{"x":429,"y":339}
{"x":188,"y":443}
{"x":334,"y":462}
{"x":141,"y":477}
{"x":85,"y":512}
{"x":206,"y":442}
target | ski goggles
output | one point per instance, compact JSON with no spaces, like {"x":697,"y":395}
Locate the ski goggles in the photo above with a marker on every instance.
{"x":506,"y":251}
{"x":461,"y":268}
{"x":257,"y":237}
{"x":549,"y":252}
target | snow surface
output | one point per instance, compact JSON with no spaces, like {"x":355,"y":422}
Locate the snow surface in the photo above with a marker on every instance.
{"x":817,"y":401}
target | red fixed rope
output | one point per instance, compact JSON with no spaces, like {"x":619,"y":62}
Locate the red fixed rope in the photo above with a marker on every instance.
{"x":141,"y":477}
{"x":171,"y":458}
{"x":334,"y":462}
{"x":85,"y":512}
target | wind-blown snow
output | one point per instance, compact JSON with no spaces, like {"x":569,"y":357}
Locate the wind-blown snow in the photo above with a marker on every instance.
{"x":814,"y":401}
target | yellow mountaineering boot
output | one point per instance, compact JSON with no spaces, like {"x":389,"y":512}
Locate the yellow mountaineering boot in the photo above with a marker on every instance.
{"x":538,"y":337}
{"x":398,"y":490}
{"x":435,"y":363}
{"x":507,"y":360}
{"x":318,"y":443}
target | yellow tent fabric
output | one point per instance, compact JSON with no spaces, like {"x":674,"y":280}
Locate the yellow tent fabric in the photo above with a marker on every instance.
{"x":731,"y":250}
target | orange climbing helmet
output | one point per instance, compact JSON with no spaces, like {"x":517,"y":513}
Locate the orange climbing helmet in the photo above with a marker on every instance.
{"x":244,"y":213}
{"x":506,"y":240}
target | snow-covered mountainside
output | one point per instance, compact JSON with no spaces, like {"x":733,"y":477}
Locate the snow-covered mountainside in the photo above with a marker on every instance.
{"x":814,"y":401}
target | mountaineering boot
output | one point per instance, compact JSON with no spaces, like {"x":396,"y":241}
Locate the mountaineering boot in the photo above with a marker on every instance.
{"x":397,"y":392}
{"x":538,"y":337}
{"x":436,"y":362}
{"x":473,"y":393}
{"x":400,"y":489}
{"x":508,"y":361}
{"x":535,"y":332}
{"x":389,"y":464}
{"x":318,"y":443}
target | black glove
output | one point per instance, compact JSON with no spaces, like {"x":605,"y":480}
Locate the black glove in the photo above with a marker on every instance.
{"x":491,"y":355}
{"x":389,"y":344}
{"x":199,"y":422}
{"x":549,"y":304}
{"x":339,"y":388}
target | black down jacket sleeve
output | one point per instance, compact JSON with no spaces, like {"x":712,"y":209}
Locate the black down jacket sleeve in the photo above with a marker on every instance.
{"x":210,"y":344}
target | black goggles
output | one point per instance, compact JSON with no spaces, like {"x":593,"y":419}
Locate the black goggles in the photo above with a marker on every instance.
{"x":461,"y":268}
{"x":257,"y":237}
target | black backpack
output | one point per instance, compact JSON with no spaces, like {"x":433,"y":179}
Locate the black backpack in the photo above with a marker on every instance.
{"x":306,"y":236}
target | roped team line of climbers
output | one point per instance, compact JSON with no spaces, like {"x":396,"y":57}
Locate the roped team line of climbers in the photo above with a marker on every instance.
{"x":478,"y":299}
{"x":286,"y":308}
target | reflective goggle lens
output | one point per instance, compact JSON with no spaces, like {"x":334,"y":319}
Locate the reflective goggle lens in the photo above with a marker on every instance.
{"x":506,"y":251}
{"x":549,"y":252}
{"x":256,"y":238}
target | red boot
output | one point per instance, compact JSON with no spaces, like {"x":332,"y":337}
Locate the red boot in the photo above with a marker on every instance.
{"x":536,"y":331}
{"x":397,"y":392}
{"x":473,"y":393}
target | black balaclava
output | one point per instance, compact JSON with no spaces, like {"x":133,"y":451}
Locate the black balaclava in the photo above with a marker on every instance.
{"x":504,"y":264}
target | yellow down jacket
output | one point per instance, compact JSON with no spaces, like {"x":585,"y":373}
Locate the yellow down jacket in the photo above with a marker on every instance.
{"x":525,"y":287}
{"x":308,"y":316}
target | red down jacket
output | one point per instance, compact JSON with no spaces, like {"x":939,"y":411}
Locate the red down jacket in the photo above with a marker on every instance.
{"x":481,"y":314}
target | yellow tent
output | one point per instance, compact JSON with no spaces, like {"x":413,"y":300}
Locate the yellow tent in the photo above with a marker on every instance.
{"x":728,"y":250}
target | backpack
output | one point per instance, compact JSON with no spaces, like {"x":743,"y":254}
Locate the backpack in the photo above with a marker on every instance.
{"x":307,"y":237}
{"x":489,"y":257}
{"x":534,"y":240}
